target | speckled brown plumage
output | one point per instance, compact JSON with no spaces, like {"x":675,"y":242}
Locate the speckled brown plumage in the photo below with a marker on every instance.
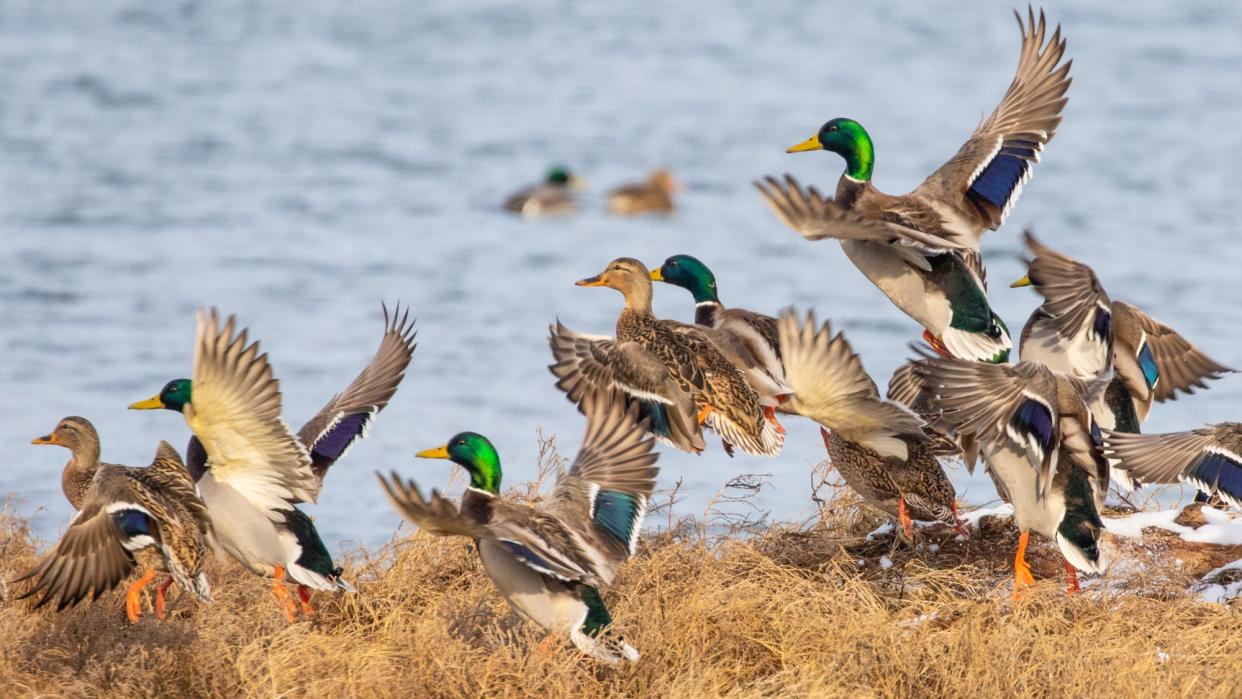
{"x":883,"y":480}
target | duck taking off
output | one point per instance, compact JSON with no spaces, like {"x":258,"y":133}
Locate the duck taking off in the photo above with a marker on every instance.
{"x":551,"y":563}
{"x":922,"y":249}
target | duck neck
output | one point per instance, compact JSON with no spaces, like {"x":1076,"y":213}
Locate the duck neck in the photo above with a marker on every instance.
{"x":477,"y":505}
{"x":705,"y":313}
{"x":76,"y":479}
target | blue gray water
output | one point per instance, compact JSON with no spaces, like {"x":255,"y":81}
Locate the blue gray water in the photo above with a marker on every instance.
{"x":298,"y":162}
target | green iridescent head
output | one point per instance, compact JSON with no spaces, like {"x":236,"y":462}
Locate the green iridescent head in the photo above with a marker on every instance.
{"x":559,"y":175}
{"x":690,"y":274}
{"x":473,"y":452}
{"x":848,"y":139}
{"x":174,"y":396}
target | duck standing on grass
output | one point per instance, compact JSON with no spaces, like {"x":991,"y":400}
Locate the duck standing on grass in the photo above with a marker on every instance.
{"x":720,"y":392}
{"x":881,"y":448}
{"x":1038,"y":440}
{"x":653,"y":196}
{"x":252,"y":471}
{"x":550,"y":562}
{"x":1079,"y":331}
{"x":922,"y":249}
{"x":555,"y":195}
{"x":149,"y":518}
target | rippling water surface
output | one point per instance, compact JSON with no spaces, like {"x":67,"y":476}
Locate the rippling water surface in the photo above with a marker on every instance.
{"x":298,"y":162}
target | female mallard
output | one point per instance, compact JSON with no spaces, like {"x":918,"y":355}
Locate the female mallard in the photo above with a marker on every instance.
{"x":1079,"y":331}
{"x":150,"y":518}
{"x":1210,"y":458}
{"x":555,"y":195}
{"x":724,"y":400}
{"x":922,"y":249}
{"x":879,"y":447}
{"x":551,"y":562}
{"x":755,"y":331}
{"x":1038,"y":440}
{"x":253,"y":485}
{"x":653,"y":196}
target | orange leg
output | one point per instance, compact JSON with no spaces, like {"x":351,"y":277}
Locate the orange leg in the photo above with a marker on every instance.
{"x":1071,"y":578}
{"x":304,"y":600}
{"x":545,"y":646}
{"x":907,"y":525}
{"x":957,"y":522}
{"x":704,"y":412}
{"x":769,"y":412}
{"x":1021,"y":571}
{"x":824,"y":433}
{"x":159,"y":597}
{"x":133,"y":596}
{"x":281,"y":593}
{"x":937,"y":344}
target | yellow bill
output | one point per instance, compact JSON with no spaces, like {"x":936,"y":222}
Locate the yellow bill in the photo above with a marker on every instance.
{"x":1024,"y":281}
{"x":152,"y":403}
{"x":440,"y":452}
{"x":811,"y":143}
{"x":45,"y":439}
{"x":657,"y":275}
{"x":590,"y":281}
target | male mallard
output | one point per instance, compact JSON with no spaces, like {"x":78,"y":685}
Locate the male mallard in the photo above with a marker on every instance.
{"x":653,"y":196}
{"x":755,"y":331}
{"x":1081,"y":332}
{"x":151,"y":518}
{"x":922,"y":249}
{"x":549,"y":562}
{"x":721,"y":394}
{"x":555,"y":195}
{"x":1038,"y":440}
{"x":879,"y":447}
{"x":252,"y":472}
{"x":1210,"y":458}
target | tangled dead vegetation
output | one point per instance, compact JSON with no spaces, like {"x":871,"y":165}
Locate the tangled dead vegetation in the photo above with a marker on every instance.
{"x":816,"y":608}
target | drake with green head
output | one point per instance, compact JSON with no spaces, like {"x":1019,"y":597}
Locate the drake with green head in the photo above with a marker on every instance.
{"x":922,"y":249}
{"x":555,"y":195}
{"x":252,"y":472}
{"x":550,"y":562}
{"x":753,"y":334}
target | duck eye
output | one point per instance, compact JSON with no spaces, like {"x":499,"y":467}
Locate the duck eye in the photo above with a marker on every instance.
{"x":832,"y":128}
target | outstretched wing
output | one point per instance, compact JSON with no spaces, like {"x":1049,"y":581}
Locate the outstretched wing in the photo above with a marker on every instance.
{"x":983,"y":180}
{"x":348,"y":415}
{"x":815,"y":217}
{"x":436,"y":514}
{"x":1164,"y":362}
{"x":584,"y":364}
{"x":831,"y":387}
{"x":1209,"y":457}
{"x":1073,"y":298}
{"x":235,"y":412}
{"x":604,"y":495}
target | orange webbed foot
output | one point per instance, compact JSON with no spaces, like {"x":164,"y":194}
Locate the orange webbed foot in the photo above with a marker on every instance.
{"x":133,"y":596}
{"x":159,"y":597}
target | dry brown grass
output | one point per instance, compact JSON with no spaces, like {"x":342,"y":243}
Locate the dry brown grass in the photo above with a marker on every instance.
{"x":790,"y":611}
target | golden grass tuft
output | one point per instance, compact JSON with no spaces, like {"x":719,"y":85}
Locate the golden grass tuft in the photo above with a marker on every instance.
{"x":803,"y":610}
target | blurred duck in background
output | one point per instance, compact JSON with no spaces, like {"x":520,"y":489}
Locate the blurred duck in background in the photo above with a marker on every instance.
{"x":653,"y":196}
{"x":553,"y":196}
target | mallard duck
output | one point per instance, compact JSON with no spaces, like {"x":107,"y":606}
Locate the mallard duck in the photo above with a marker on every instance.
{"x":881,"y":448}
{"x":252,"y":472}
{"x":922,"y":249}
{"x":1210,"y":458}
{"x":653,"y":196}
{"x":555,"y":195}
{"x":550,"y":562}
{"x":1038,"y":440}
{"x":149,"y":518}
{"x":754,"y":330}
{"x":724,"y":400}
{"x":1080,"y":331}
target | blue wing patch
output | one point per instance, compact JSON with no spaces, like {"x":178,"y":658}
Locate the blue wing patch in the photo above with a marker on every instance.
{"x":1146,"y":360}
{"x":338,"y":438}
{"x":137,"y":529}
{"x":1002,"y":177}
{"x":530,"y":558}
{"x":618,"y":514}
{"x":1102,"y":327}
{"x":658,"y":414}
{"x":1215,"y":472}
{"x":1032,"y":425}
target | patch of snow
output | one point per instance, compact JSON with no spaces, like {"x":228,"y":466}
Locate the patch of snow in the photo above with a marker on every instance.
{"x":861,"y":562}
{"x":1221,"y":528}
{"x":885,"y":563}
{"x":934,"y":548}
{"x":886,"y":528}
{"x":1132,"y":526}
{"x":1162,"y":656}
{"x":971,"y":518}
